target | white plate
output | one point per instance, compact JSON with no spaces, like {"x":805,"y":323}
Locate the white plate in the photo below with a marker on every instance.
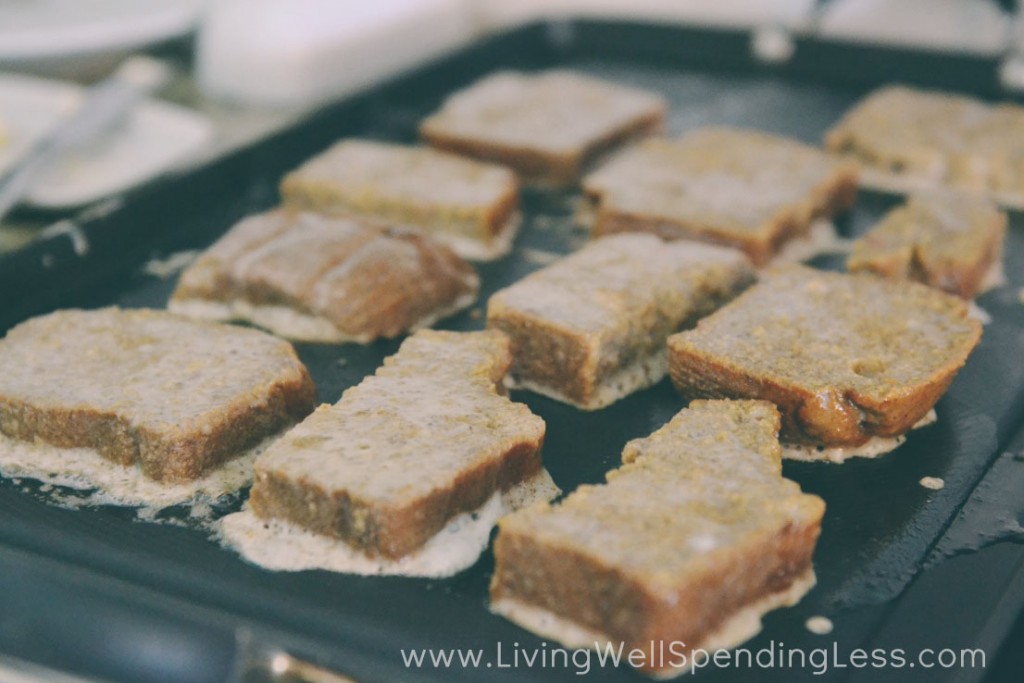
{"x":735,"y":13}
{"x":978,"y":26}
{"x":155,"y":138}
{"x":33,"y":29}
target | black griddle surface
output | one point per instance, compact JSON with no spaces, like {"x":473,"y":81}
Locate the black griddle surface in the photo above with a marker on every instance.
{"x":880,"y":524}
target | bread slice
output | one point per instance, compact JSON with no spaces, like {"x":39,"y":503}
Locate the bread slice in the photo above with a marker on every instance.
{"x":311,"y":278}
{"x":470,"y":206}
{"x":728,"y":186}
{"x":905,"y":139}
{"x":145,"y":387}
{"x":945,"y":240}
{"x":429,"y":436}
{"x":591,"y":328}
{"x":688,"y":543}
{"x":844,"y":357}
{"x":548,"y":127}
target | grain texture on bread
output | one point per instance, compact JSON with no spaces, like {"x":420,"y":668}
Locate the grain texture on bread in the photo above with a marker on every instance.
{"x":312,"y":278}
{"x":901,"y":136}
{"x":728,"y":186}
{"x":427,"y":437}
{"x":469,"y":205}
{"x":548,"y":127}
{"x":844,"y":357}
{"x":945,"y":240}
{"x":175,"y":396}
{"x":591,"y":328}
{"x":695,"y":529}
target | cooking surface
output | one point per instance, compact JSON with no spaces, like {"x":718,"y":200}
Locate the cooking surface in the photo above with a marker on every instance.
{"x":880,"y":524}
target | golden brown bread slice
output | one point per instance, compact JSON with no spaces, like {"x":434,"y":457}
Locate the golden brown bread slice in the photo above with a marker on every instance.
{"x":693,"y":538}
{"x":903,"y":130}
{"x":313,"y":278}
{"x":591,"y":328}
{"x":177,"y":397}
{"x":548,"y":127}
{"x":844,"y":357}
{"x":903,"y":137}
{"x":993,"y":160}
{"x":468,"y":205}
{"x":427,"y":437}
{"x":729,"y":186}
{"x":945,"y":240}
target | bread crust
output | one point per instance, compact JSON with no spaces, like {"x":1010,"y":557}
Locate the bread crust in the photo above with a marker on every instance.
{"x":543,"y":169}
{"x":623,"y":608}
{"x":390,"y":531}
{"x":170,"y":438}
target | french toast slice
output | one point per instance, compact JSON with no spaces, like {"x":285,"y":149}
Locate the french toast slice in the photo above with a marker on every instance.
{"x":175,"y":396}
{"x":688,"y":543}
{"x":904,"y":138}
{"x":548,"y":127}
{"x":312,"y":278}
{"x":945,"y":240}
{"x":730,"y":186}
{"x":590,"y":328}
{"x":844,"y":357}
{"x":469,"y":205}
{"x":429,"y":436}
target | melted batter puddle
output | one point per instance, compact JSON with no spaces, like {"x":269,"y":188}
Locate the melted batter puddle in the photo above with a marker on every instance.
{"x":819,"y":626}
{"x":821,"y":239}
{"x":91,"y":480}
{"x":281,"y":546}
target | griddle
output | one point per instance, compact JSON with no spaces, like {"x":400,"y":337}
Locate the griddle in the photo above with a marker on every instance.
{"x":96,"y":592}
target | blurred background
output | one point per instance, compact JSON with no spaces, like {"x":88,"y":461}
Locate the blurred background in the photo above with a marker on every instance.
{"x":231,"y":72}
{"x":240,"y":69}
